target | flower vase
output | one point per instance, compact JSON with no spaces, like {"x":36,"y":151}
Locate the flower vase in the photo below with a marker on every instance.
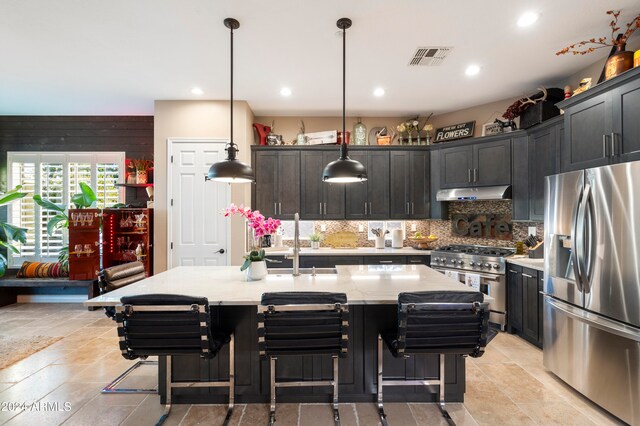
{"x":419,"y":141}
{"x":427,"y":139}
{"x":141,"y":176}
{"x":256,"y":271}
{"x":315,"y":244}
{"x":620,"y":62}
{"x":409,"y":139}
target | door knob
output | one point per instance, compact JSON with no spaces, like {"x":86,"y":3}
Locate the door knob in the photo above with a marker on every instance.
{"x":221,"y":251}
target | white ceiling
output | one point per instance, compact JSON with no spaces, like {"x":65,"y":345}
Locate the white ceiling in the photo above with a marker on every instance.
{"x":116,"y":57}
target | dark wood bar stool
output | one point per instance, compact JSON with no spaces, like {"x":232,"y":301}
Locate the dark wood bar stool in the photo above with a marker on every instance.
{"x":303,"y":323}
{"x":441,"y":322}
{"x":110,"y":279}
{"x":167,"y":325}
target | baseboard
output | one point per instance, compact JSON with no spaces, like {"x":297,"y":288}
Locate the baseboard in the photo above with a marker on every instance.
{"x":51,"y":298}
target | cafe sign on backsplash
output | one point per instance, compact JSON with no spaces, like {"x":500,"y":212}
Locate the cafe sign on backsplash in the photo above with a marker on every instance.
{"x":482,"y":225}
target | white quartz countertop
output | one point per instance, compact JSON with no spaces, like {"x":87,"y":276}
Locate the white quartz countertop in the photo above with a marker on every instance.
{"x":358,"y":251}
{"x":537,"y":264}
{"x":226,"y":285}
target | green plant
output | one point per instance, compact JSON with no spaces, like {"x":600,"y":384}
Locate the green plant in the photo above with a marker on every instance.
{"x":255,"y":256}
{"x":315,"y":237}
{"x":9,"y":232}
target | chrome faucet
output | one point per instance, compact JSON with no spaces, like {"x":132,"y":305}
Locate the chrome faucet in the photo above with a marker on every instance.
{"x":296,"y":245}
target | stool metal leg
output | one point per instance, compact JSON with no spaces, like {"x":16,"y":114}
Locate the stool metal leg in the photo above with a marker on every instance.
{"x":336,"y":412}
{"x":167,"y":407}
{"x":111,"y":387}
{"x":232,"y":380}
{"x":272,"y":387}
{"x":381,"y":414}
{"x":442,"y":406}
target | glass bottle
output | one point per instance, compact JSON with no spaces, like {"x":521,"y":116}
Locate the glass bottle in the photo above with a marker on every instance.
{"x":360,"y":133}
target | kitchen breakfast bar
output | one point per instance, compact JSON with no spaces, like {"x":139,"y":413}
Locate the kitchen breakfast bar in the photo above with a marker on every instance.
{"x":372,"y":293}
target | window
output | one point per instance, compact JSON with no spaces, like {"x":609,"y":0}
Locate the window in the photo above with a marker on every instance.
{"x":56,"y":177}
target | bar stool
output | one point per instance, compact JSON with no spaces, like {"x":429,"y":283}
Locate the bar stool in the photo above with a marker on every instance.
{"x":111,"y":279}
{"x":441,"y":322}
{"x":303,"y":323}
{"x":167,"y":325}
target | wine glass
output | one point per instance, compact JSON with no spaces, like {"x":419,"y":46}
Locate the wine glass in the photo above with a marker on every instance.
{"x":74,"y":218}
{"x":87,"y":249}
{"x":78,"y":249}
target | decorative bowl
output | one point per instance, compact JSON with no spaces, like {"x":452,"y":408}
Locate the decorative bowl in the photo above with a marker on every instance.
{"x":423,"y":242}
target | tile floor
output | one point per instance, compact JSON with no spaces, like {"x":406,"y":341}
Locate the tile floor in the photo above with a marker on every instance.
{"x":508,"y":385}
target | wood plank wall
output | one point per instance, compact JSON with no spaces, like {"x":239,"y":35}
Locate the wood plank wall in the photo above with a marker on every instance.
{"x":131,"y":134}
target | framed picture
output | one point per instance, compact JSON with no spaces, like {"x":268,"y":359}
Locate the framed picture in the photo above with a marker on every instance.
{"x":489,"y":129}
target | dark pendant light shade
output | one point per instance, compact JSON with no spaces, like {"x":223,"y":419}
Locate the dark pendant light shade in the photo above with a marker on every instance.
{"x":231,"y":170}
{"x":344,"y":169}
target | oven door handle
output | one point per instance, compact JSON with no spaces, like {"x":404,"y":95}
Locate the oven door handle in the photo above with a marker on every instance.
{"x":463,"y":273}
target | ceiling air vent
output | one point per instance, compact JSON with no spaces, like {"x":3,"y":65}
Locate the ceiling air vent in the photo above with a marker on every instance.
{"x":430,"y":56}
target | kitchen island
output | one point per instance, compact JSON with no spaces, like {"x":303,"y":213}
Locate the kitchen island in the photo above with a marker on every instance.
{"x":372,"y":292}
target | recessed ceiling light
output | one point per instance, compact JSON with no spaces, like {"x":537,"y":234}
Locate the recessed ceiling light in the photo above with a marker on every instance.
{"x":379,"y":91}
{"x":527,"y":18}
{"x":472,"y":70}
{"x":197,"y":91}
{"x":285,"y":91}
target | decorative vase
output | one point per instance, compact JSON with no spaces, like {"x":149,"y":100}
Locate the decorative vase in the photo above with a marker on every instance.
{"x":427,"y":139}
{"x":620,"y":62}
{"x":360,"y":133}
{"x":141,"y":176}
{"x":409,"y":139}
{"x":256,"y":271}
{"x":380,"y":242}
{"x":301,"y":139}
{"x":266,"y":241}
{"x":277,"y":240}
{"x":419,"y":142}
{"x":315,"y":244}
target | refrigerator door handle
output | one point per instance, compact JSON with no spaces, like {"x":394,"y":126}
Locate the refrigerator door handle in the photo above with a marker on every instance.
{"x":575,"y":251}
{"x":581,"y":236}
{"x":594,"y":320}
{"x":588,"y":253}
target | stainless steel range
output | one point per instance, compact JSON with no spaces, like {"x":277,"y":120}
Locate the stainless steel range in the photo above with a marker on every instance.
{"x":480,"y":265}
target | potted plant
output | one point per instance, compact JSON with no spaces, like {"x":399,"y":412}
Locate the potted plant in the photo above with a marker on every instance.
{"x":141,"y":166}
{"x":254,"y":264}
{"x":315,"y":240}
{"x":10,"y":233}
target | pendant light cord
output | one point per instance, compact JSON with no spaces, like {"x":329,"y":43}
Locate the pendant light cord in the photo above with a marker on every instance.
{"x":343,"y":148}
{"x":231,"y":95}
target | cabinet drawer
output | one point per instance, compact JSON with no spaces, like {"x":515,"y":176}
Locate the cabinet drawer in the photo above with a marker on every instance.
{"x":385,"y":260}
{"x":329,"y":261}
{"x":419,"y":260}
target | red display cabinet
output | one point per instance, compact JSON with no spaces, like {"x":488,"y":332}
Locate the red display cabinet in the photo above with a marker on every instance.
{"x":127,"y":236}
{"x":84,"y":244}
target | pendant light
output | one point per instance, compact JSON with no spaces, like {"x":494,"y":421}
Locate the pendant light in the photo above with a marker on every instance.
{"x":344,"y":169}
{"x":231,"y":169}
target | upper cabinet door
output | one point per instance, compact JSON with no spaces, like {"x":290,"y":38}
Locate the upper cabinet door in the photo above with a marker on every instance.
{"x":626,"y":113}
{"x":288,"y":187}
{"x":377,"y":185}
{"x":333,"y":193}
{"x":357,"y":203}
{"x":420,"y":185}
{"x":264,"y":191}
{"x":492,"y":163}
{"x":456,"y":166}
{"x":400,"y":184}
{"x":588,"y":128}
{"x":544,"y":150}
{"x":311,"y":185}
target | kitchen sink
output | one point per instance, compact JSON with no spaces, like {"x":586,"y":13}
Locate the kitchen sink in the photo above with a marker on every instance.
{"x":303,"y":271}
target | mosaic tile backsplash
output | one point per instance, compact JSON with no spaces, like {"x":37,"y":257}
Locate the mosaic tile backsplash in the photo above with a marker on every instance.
{"x":440,"y":228}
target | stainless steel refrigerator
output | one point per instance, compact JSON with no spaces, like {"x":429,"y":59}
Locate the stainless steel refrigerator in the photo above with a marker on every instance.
{"x":592,"y":285}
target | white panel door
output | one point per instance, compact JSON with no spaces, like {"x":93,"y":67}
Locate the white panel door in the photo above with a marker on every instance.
{"x":198,"y":231}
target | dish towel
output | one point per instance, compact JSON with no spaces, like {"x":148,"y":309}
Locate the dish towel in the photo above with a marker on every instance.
{"x":473,"y":281}
{"x":452,"y":274}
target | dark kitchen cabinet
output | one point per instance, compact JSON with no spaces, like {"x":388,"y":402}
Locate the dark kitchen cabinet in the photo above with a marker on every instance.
{"x":626,"y":122}
{"x":385,"y":260}
{"x":319,"y":200}
{"x":477,"y":164}
{"x":514,"y":298}
{"x":530,"y":304}
{"x":280,"y":262}
{"x":277,"y":189}
{"x":524,"y":303}
{"x":409,"y":181}
{"x":601,"y":124}
{"x":520,"y":179}
{"x":419,"y":260}
{"x":329,"y":261}
{"x":544,"y":160}
{"x":369,"y":199}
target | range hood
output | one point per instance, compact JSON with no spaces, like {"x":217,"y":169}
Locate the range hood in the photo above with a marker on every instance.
{"x":476,"y":193}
